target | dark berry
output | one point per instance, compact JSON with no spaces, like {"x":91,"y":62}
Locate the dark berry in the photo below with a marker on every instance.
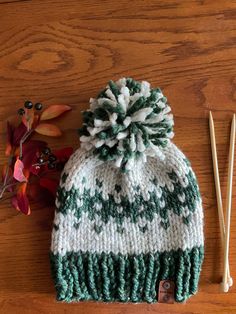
{"x":38,"y":106}
{"x":28,"y":104}
{"x":51,"y":166}
{"x":46,"y":151}
{"x":40,"y":160}
{"x":52,"y":158}
{"x":21,"y":111}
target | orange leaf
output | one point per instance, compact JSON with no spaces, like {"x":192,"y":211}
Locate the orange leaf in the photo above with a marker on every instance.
{"x":54,"y":111}
{"x":20,"y":200}
{"x":10,"y":133}
{"x":8,"y":149}
{"x":36,"y":121}
{"x":48,"y":129}
{"x":21,"y":189}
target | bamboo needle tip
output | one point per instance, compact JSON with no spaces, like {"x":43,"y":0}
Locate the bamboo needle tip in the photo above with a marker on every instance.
{"x":230,"y":281}
{"x":211,"y":122}
{"x":224,"y":287}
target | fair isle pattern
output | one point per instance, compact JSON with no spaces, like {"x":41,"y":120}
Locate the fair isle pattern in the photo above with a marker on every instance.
{"x":81,"y":234}
{"x":128,"y":208}
{"x":100,"y":231}
{"x":130,"y":195}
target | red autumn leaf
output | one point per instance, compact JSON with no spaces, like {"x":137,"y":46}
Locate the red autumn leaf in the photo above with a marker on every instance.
{"x":10,"y":131}
{"x":19,"y":132}
{"x":54,"y":111}
{"x":18,"y":173}
{"x":20,"y":200}
{"x":35,"y":169}
{"x":40,"y":194}
{"x":50,"y":185}
{"x":48,"y":129}
{"x":30,"y":150}
{"x":63,"y":154}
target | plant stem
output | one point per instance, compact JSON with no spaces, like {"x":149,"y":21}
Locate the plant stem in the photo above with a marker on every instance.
{"x":23,"y":139}
{"x":6,"y":175}
{"x":7,"y":170}
{"x":6,"y":187}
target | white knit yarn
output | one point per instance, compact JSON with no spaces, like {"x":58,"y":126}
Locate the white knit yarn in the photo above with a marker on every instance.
{"x":132,"y":240}
{"x":83,"y":164}
{"x":145,"y":116}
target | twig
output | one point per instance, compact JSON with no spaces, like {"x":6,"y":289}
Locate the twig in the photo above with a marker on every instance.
{"x":6,"y":187}
{"x":23,"y":139}
{"x":7,"y":170}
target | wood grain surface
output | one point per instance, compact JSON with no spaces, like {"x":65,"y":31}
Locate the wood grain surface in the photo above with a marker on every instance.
{"x":64,"y":52}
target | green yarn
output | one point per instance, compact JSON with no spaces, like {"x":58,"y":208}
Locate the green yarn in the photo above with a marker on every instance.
{"x":126,"y":278}
{"x":109,"y":208}
{"x":153,"y":126}
{"x":123,"y":226}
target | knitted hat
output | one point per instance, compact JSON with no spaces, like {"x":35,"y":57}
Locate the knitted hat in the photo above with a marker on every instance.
{"x":129,"y":212}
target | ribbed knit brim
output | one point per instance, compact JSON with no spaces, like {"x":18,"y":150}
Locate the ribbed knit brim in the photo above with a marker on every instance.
{"x":125,"y":278}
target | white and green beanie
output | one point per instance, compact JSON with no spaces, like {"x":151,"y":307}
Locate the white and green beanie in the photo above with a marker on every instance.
{"x":129,"y":212}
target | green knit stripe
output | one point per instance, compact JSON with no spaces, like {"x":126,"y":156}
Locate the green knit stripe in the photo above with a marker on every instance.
{"x":125,"y":278}
{"x":137,"y":209}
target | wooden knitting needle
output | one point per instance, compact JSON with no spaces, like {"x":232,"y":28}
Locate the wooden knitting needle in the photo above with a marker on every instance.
{"x":225,"y":285}
{"x":218,"y":189}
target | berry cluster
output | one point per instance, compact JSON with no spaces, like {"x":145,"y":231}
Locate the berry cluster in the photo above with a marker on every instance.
{"x":29,"y":105}
{"x":47,"y":158}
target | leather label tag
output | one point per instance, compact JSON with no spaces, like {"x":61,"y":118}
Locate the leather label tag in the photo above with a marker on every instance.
{"x":166,"y":292}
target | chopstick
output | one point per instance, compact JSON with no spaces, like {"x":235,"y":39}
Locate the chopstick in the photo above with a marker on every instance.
{"x":227,"y":278}
{"x":225,"y":285}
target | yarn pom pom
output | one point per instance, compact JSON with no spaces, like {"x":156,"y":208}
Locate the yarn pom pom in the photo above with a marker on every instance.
{"x":127,"y":121}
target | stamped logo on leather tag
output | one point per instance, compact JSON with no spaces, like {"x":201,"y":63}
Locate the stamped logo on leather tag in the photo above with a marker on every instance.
{"x":166,"y":292}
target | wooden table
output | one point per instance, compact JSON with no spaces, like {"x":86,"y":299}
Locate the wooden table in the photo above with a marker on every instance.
{"x":64,"y":52}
